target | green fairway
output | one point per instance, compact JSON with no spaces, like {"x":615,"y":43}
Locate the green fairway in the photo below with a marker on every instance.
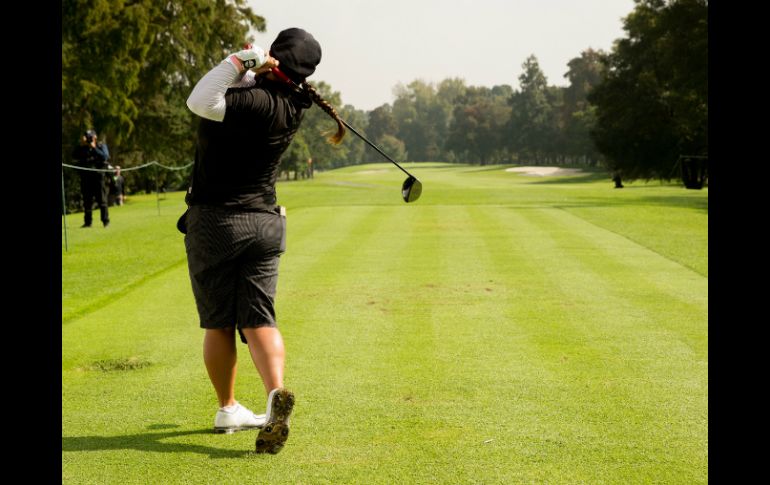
{"x":502,"y":329}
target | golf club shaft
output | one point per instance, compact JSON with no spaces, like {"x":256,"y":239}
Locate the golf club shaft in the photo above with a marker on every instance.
{"x":374,"y":146}
{"x":288,"y":80}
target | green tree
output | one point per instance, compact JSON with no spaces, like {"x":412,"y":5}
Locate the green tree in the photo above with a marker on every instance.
{"x":530,"y":126}
{"x":554,"y":139}
{"x":381,"y":123}
{"x":127,"y":68}
{"x":477,"y":130}
{"x":295,"y":158}
{"x":422,"y":118}
{"x":578,"y":115}
{"x":451,"y":91}
{"x":356,"y":150}
{"x":394,"y":147}
{"x":653,"y":103}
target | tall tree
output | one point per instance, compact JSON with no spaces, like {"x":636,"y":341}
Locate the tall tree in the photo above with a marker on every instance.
{"x":422,"y":120}
{"x":653,"y":104}
{"x":554,"y":140}
{"x":477,"y":131}
{"x":451,"y":91}
{"x":356,"y":150}
{"x":578,"y":115}
{"x":530,"y":126}
{"x":381,"y":123}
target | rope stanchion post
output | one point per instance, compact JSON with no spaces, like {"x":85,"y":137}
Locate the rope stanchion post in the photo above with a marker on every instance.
{"x":64,"y":211}
{"x":157,"y":190}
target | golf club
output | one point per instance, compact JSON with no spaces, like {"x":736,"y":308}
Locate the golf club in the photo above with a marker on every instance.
{"x":410,"y":189}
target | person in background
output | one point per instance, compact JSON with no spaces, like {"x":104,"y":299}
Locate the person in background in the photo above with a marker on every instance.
{"x":118,"y":186}
{"x":617,"y":179}
{"x":90,"y":154}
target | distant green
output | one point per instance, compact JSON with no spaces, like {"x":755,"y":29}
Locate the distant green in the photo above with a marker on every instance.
{"x":502,"y":329}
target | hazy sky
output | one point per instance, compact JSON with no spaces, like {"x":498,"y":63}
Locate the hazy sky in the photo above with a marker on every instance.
{"x":369,"y":46}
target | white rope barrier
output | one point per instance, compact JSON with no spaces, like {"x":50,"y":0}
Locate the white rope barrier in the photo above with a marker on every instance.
{"x":172,"y":168}
{"x":110,"y":170}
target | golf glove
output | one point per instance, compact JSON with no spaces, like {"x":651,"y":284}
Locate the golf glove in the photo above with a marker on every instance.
{"x":251,"y":56}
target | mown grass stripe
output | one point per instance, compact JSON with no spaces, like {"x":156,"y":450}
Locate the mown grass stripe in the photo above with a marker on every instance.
{"x":337,"y":339}
{"x":101,"y":301}
{"x":631,"y":273}
{"x":583,"y":345}
{"x":532,"y":388}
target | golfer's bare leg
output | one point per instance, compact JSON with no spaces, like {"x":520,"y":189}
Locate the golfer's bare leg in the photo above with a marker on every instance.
{"x":220,"y":356}
{"x":268,"y":354}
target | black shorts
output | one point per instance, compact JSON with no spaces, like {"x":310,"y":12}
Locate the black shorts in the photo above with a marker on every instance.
{"x":233,"y":261}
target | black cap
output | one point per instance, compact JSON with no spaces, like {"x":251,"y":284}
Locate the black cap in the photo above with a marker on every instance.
{"x":298,"y":53}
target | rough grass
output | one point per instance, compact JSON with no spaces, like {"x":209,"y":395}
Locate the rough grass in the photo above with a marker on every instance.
{"x":502,"y":329}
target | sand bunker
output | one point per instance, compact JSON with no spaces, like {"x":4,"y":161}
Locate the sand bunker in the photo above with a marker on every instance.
{"x":384,"y":170}
{"x":544,"y":171}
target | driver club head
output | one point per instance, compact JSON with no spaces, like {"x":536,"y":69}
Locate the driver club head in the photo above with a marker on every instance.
{"x":411,"y":189}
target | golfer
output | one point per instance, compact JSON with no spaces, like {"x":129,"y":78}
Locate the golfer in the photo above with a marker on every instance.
{"x":235,"y":231}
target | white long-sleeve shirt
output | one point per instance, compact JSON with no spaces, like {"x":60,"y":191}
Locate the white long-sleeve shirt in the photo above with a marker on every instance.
{"x":207,"y":99}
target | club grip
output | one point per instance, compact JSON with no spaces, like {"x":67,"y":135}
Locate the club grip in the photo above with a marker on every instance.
{"x":283,"y":77}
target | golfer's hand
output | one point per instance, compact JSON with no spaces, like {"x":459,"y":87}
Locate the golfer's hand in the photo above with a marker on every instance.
{"x":269,"y":64}
{"x":251,"y":56}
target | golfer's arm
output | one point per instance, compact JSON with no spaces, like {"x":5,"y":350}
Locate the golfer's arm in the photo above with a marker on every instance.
{"x":207,"y":99}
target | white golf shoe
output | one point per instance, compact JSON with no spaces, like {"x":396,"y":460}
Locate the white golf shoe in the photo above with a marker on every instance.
{"x":237,"y":418}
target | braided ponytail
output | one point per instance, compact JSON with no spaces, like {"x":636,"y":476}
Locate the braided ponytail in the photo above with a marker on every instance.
{"x":328,"y":109}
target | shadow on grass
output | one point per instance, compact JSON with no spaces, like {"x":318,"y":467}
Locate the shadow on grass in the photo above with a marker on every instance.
{"x":152,"y":441}
{"x":677,"y":201}
{"x":688,"y":199}
{"x":671,"y":201}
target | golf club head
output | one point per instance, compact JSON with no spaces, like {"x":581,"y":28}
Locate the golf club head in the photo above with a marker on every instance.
{"x":411,"y":189}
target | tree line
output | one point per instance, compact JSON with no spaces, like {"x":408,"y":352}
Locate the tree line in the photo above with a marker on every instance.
{"x":127,"y":68}
{"x":453,"y":122}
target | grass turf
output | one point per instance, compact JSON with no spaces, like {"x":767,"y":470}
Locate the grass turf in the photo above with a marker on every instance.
{"x":502,"y":329}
